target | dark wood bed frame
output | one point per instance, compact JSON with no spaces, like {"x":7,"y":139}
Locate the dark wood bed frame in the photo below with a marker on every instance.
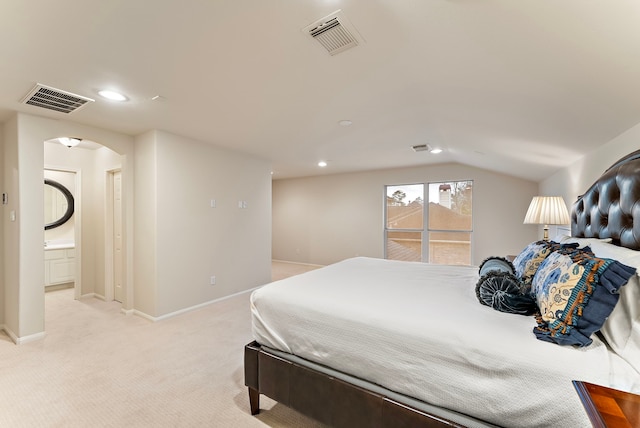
{"x":610,"y":208}
{"x":329,"y":400}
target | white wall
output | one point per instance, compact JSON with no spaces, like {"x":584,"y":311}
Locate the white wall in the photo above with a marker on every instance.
{"x":574,"y":180}
{"x":194,"y":241}
{"x":329,"y":218}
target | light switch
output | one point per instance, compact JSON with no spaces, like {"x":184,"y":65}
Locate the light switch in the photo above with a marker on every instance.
{"x":12,"y":215}
{"x":213,"y":203}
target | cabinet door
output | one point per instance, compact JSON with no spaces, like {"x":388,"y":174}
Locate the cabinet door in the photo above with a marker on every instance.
{"x":59,"y":266}
{"x":61,"y":270}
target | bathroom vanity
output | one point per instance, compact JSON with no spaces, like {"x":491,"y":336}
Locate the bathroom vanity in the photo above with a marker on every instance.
{"x":59,"y":244}
{"x":59,"y":264}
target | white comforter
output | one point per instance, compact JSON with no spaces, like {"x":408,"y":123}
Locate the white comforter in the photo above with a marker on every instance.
{"x":418,"y":329}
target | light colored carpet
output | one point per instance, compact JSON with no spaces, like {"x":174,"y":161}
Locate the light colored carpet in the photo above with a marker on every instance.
{"x":281,"y":270}
{"x":99,"y":368}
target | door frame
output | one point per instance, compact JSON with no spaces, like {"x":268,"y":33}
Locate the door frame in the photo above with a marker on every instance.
{"x":109,"y":284}
{"x":77,"y":224}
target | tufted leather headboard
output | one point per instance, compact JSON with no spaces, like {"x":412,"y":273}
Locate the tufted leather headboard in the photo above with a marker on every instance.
{"x":611,"y":206}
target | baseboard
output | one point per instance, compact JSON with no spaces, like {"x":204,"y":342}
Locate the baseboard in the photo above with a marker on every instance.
{"x":190,"y":308}
{"x":98,"y":296}
{"x":22,"y":340}
{"x":297,"y":263}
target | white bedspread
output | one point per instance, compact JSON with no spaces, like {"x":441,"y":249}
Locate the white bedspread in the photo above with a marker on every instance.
{"x":419,"y":330}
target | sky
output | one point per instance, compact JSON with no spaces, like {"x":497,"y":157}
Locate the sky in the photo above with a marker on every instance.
{"x":414,"y":191}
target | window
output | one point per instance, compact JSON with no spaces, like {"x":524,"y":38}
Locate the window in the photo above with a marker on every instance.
{"x":448,"y":216}
{"x":450,"y":222}
{"x":404,"y":215}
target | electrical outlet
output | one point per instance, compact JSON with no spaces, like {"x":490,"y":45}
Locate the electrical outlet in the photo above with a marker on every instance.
{"x":213,"y":280}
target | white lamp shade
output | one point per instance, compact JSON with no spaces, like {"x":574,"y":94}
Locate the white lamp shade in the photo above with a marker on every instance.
{"x":547,"y":210}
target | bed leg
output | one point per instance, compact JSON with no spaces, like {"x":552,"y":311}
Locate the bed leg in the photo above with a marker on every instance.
{"x":254,"y":401}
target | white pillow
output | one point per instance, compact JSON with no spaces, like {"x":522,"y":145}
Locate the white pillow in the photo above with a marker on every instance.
{"x":582,"y":242}
{"x":622,"y":328}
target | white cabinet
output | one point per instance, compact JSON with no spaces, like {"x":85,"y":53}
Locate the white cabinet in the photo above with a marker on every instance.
{"x":59,"y":266}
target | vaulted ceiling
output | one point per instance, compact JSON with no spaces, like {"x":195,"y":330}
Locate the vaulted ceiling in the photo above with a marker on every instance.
{"x":520,"y":87}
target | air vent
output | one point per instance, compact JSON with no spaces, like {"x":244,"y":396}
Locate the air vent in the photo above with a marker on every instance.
{"x":334,"y":32}
{"x":54,"y":99}
{"x":420,"y":148}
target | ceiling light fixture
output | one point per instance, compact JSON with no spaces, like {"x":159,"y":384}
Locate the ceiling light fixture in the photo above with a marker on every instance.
{"x":435,"y":150}
{"x":112,"y":95}
{"x":69,"y":141}
{"x":322,"y":164}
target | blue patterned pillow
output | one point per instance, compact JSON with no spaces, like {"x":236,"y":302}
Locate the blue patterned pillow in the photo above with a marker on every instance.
{"x":527,"y":262}
{"x":575,"y":292}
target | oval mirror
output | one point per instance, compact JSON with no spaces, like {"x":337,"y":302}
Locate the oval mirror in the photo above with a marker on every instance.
{"x":58,"y":204}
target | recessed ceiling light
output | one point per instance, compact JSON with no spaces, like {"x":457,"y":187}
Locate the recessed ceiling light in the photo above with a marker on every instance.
{"x":322,"y":164}
{"x":112,"y":95}
{"x":435,"y":150}
{"x":345,"y":122}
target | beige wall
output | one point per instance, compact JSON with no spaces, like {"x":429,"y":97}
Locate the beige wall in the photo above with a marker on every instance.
{"x":329,"y":218}
{"x":576,"y":179}
{"x":2,"y":216}
{"x":25,"y":135}
{"x":24,"y":162}
{"x":146,"y":224}
{"x":90,"y":167}
{"x":182,"y":241}
{"x":194,"y":241}
{"x":11,"y":234}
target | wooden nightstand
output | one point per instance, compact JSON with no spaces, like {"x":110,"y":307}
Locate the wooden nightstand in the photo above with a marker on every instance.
{"x":609,"y":408}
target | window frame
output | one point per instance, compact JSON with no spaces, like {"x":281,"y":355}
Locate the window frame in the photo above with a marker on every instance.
{"x":386,"y":229}
{"x":426,"y":230}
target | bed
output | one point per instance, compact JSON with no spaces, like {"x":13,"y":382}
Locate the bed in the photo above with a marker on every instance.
{"x":380,"y":343}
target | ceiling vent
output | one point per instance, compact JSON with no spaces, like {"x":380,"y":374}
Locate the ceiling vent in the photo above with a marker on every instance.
{"x":420,"y":148}
{"x":54,"y":99}
{"x":334,"y":32}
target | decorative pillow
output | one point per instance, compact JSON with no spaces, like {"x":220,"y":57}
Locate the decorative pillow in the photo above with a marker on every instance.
{"x":575,"y":292}
{"x":499,"y":264}
{"x":622,"y":329}
{"x":527,"y":262}
{"x":503,"y":292}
